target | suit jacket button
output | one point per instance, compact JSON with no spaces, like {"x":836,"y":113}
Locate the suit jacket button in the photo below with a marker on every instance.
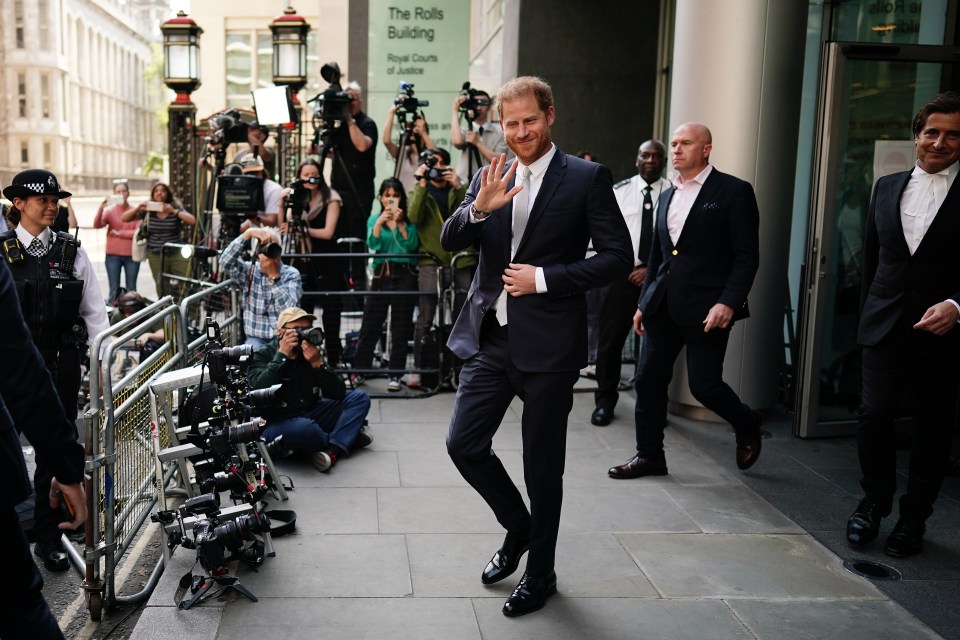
{"x":674,"y":252}
{"x":483,"y":309}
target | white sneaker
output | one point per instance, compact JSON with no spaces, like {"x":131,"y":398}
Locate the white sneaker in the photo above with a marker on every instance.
{"x":412,"y":380}
{"x":321,"y":460}
{"x":394,"y":385}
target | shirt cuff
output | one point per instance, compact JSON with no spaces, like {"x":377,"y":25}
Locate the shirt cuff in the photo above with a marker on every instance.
{"x":954,"y":303}
{"x":541,"y":280}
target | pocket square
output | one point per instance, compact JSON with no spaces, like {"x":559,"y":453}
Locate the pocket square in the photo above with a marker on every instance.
{"x":711,"y":205}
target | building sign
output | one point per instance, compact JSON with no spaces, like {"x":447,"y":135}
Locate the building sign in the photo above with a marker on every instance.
{"x":422,"y":44}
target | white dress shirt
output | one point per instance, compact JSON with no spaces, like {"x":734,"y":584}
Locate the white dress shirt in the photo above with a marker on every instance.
{"x":686,"y":192}
{"x":922,"y":198}
{"x":630,"y":199}
{"x":92,"y":310}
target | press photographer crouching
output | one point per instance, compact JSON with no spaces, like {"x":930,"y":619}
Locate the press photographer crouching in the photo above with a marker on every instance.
{"x":268,"y":286}
{"x":321,"y":418}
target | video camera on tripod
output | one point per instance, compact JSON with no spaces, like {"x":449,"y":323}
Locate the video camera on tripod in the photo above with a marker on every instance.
{"x":474,"y":99}
{"x":332,"y":108}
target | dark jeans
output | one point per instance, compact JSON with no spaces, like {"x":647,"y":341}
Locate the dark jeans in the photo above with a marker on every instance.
{"x":705,"y":351}
{"x":328,"y":423}
{"x":24,"y":615}
{"x":131,"y":269}
{"x":401,"y":277}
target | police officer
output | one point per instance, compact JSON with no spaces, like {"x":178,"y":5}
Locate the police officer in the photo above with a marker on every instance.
{"x":61,"y":302}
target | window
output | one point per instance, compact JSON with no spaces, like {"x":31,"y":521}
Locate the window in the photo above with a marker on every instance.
{"x":47,"y":154}
{"x":18,"y":22}
{"x":22,"y":94}
{"x":24,"y":154}
{"x":45,"y":95}
{"x":43,"y":24}
{"x":239,"y":69}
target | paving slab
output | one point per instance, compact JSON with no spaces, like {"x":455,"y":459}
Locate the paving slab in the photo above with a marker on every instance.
{"x":362,"y":469}
{"x":157,"y":623}
{"x":435,"y":510}
{"x":729,"y":565}
{"x":624,"y":507}
{"x":730,"y":509}
{"x":333,"y":509}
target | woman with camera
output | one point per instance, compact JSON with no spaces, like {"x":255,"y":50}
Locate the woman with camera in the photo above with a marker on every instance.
{"x":390,"y":233}
{"x":162,"y":219}
{"x":119,"y":239}
{"x":317,"y":206}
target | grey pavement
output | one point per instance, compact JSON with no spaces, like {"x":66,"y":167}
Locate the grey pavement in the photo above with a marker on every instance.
{"x":391,"y":543}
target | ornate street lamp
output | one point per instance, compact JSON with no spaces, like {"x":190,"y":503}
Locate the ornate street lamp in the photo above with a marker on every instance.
{"x":290,"y":69}
{"x":181,"y":73}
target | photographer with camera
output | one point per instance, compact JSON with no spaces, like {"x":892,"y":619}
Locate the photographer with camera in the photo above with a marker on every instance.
{"x":268,"y":285}
{"x":253,"y":165}
{"x":482,"y":139}
{"x":257,"y":136}
{"x":355,"y":144}
{"x":437,"y":194}
{"x":415,"y":138}
{"x":321,"y":418}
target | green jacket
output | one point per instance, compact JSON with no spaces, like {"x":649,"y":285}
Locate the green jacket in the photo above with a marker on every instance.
{"x":302,"y":384}
{"x":423,"y":211}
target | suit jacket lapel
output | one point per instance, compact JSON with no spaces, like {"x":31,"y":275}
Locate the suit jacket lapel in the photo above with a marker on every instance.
{"x":897,"y":188}
{"x":663,"y":206}
{"x":707,"y":191}
{"x":551,"y":180}
{"x":950,"y":204}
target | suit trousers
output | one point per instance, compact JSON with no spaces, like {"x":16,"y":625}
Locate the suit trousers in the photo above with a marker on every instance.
{"x":662,"y":343}
{"x":488,"y":383}
{"x":929,"y":367}
{"x":616,"y":320}
{"x":23,"y":611}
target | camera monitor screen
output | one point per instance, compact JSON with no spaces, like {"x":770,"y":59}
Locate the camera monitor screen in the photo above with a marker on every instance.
{"x":239,"y":194}
{"x":273,"y":105}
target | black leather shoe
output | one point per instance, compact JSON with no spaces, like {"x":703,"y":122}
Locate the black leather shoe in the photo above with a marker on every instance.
{"x":53,"y":556}
{"x":506,"y":560}
{"x":601,"y":417}
{"x":749,"y":443}
{"x":907,"y":538}
{"x":530,"y":595}
{"x":637,"y":467}
{"x":864,"y":525}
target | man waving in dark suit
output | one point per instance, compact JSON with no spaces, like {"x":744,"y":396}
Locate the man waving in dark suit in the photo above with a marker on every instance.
{"x":910,"y":305}
{"x":705,"y":256}
{"x":523,"y":329}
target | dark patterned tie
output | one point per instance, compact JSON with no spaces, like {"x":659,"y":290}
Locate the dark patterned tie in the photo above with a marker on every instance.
{"x":646,"y":227}
{"x":36,"y":248}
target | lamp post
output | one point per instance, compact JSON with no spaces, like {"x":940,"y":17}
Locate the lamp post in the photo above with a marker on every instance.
{"x":181,"y":73}
{"x":290,"y":69}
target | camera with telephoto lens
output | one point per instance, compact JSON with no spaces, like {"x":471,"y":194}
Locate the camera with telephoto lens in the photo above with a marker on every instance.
{"x":270,"y":249}
{"x":406,"y":102}
{"x":474,"y":99}
{"x":432,"y":173}
{"x":226,"y":128}
{"x":313,"y":335}
{"x":332,"y":108}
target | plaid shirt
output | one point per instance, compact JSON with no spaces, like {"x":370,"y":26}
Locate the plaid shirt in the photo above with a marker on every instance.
{"x":263,"y":300}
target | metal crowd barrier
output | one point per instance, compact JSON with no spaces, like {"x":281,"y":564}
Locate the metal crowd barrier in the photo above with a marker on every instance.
{"x":121,"y":464}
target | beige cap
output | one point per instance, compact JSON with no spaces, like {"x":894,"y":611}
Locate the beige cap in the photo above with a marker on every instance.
{"x":292,"y":313}
{"x":252,"y":164}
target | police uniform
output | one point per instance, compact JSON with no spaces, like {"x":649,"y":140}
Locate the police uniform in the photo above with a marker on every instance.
{"x":63,"y":307}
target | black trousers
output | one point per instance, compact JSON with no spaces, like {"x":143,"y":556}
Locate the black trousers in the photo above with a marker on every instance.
{"x":399,"y":277}
{"x":23,"y":612}
{"x":65,"y":371}
{"x":705,"y":352}
{"x":488,"y":383}
{"x":929,"y":365}
{"x":616,"y":321}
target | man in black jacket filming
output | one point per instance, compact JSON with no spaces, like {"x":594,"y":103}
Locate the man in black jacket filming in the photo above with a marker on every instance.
{"x":320,"y":417}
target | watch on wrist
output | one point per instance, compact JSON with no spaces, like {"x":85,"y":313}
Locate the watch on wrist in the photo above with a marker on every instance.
{"x":479,"y":214}
{"x":275,"y":280}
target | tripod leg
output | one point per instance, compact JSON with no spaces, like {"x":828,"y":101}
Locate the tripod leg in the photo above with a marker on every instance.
{"x":242,"y":590}
{"x":198,"y":596}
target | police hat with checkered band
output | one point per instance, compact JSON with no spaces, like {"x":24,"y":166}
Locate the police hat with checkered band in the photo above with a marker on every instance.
{"x":34,"y":182}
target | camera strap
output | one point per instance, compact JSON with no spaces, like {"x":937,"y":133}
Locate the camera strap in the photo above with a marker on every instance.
{"x":287,"y":520}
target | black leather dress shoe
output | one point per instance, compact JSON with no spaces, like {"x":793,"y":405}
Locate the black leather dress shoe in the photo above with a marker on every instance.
{"x":53,"y":556}
{"x":864,"y":525}
{"x":506,"y":560}
{"x":602,"y":416}
{"x":530,"y":595}
{"x":637,"y":467}
{"x":907,"y":538}
{"x":749,"y":443}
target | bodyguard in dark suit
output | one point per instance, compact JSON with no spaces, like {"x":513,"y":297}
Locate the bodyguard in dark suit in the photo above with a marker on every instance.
{"x":705,"y":256}
{"x":523,"y":329}
{"x":910,"y":305}
{"x":29,"y":402}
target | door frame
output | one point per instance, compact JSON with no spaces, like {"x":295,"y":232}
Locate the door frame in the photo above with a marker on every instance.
{"x":822,"y":219}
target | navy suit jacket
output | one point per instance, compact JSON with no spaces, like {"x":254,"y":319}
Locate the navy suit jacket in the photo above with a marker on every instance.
{"x":896,"y":284}
{"x":29,"y":403}
{"x":547,"y":332}
{"x":715,"y":258}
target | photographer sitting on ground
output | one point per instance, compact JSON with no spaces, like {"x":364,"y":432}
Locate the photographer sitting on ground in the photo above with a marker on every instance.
{"x":437,"y":194}
{"x":268,"y":287}
{"x":321,"y":418}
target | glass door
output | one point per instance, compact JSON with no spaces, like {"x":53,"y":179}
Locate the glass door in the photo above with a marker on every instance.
{"x":868,"y":97}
